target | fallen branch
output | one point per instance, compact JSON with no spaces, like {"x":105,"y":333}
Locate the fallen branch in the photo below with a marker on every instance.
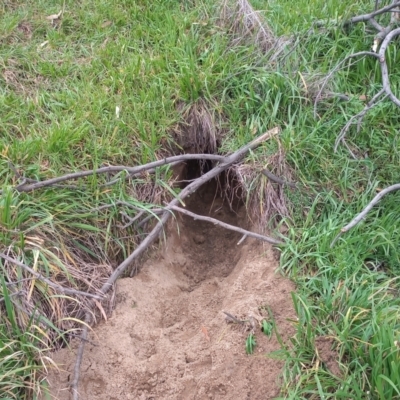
{"x":226,"y":226}
{"x":377,"y":98}
{"x":371,"y":104}
{"x":383,"y":39}
{"x":384,"y":68}
{"x":49,"y":282}
{"x":366,"y":210}
{"x":367,"y":17}
{"x":359,"y":54}
{"x":25,"y":187}
{"x":154,"y":234}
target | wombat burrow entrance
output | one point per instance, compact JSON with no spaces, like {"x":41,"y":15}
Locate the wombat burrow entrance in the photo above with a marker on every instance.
{"x":207,"y":245}
{"x":168,"y":337}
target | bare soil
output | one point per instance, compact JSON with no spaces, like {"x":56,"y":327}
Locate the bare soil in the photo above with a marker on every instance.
{"x":168,"y":337}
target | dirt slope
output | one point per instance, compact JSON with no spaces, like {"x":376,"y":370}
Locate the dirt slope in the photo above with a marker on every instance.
{"x":169,"y":338}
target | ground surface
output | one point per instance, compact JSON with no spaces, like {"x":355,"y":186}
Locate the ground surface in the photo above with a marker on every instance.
{"x":169,"y":338}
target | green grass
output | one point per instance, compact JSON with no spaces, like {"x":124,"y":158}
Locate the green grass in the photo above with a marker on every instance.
{"x":59,"y":89}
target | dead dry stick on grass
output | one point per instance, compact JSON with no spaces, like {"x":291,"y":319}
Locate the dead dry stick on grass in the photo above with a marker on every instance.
{"x":29,"y":187}
{"x":384,"y":37}
{"x":227,"y":226}
{"x":366,"y":210}
{"x":378,"y":97}
{"x":384,"y":68}
{"x":154,"y":234}
{"x":367,"y":17}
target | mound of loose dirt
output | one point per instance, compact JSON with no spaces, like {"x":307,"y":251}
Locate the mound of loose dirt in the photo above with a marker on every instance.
{"x":169,"y":338}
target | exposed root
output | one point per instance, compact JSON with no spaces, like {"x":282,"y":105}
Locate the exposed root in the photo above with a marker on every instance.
{"x":227,"y":226}
{"x":197,"y":133}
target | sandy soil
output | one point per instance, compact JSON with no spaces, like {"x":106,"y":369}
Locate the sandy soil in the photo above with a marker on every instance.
{"x":168,"y":337}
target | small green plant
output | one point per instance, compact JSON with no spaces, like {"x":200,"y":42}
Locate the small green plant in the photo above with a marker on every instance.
{"x":267,"y":327}
{"x":250,"y":343}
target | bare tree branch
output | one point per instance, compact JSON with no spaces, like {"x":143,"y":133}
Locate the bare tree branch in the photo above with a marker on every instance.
{"x":366,"y":210}
{"x":384,"y":68}
{"x":226,"y":226}
{"x":24,"y":187}
{"x":367,"y":17}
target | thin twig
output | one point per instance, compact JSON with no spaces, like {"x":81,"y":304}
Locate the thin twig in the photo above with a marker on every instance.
{"x":371,"y":104}
{"x":366,"y":210}
{"x":130,"y":170}
{"x":79,"y":356}
{"x":226,"y":226}
{"x":49,"y":282}
{"x":359,"y":54}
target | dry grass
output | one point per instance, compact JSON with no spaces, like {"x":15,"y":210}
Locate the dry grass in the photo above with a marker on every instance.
{"x":247,"y":26}
{"x":266,"y":200}
{"x":35,"y":302}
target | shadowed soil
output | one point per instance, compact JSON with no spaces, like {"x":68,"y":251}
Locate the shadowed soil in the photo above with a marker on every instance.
{"x":168,"y":337}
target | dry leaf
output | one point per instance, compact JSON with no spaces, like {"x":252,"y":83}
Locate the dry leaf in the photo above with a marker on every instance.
{"x":54,"y":17}
{"x":363,"y":97}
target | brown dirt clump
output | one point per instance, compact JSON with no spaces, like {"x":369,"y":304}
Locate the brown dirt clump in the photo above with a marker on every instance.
{"x":327,"y":355}
{"x":169,"y":338}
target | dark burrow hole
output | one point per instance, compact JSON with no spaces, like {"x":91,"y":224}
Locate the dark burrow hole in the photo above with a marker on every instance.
{"x":212,"y":250}
{"x":225,"y":185}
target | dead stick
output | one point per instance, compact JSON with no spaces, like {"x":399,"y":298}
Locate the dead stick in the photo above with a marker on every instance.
{"x":79,"y":356}
{"x":226,"y":226}
{"x":49,"y":282}
{"x":131,"y":170}
{"x":384,"y":67}
{"x":366,"y":17}
{"x":366,"y":210}
{"x":153,"y":235}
